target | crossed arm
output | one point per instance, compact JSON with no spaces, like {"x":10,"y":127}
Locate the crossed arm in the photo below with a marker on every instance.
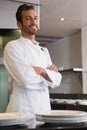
{"x":42,"y":72}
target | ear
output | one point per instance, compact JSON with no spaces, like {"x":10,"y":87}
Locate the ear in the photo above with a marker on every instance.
{"x":19,"y":25}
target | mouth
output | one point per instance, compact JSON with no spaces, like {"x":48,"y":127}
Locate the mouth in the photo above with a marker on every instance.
{"x":34,"y":27}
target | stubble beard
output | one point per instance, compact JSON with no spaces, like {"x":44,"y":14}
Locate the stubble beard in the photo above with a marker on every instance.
{"x":27,"y":31}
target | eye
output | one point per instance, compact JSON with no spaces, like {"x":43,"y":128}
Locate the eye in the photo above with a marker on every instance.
{"x":36,"y":18}
{"x":28,"y":18}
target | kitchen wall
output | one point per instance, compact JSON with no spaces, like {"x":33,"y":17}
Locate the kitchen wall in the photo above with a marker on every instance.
{"x":66,"y":53}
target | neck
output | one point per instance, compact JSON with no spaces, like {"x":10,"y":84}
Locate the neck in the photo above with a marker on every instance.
{"x":30,"y":37}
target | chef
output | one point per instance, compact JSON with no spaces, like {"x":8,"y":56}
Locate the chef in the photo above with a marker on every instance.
{"x":30,"y":69}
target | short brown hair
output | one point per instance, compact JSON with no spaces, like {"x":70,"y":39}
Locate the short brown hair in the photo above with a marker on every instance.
{"x":21,"y":8}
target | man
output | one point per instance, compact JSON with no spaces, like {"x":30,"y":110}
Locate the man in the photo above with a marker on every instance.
{"x":30,"y":69}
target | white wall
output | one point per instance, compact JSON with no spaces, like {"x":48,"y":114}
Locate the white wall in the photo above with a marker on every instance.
{"x":66,"y":52}
{"x":84,"y":57}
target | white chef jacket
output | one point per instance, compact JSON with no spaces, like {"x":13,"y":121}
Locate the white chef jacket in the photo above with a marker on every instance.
{"x":30,"y":93}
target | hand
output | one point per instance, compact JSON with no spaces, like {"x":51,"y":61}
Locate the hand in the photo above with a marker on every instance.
{"x":42,"y":72}
{"x":39,"y":70}
{"x":53,"y":67}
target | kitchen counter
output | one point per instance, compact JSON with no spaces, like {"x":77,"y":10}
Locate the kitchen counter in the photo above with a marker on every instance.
{"x":69,"y":101}
{"x":68,"y":96}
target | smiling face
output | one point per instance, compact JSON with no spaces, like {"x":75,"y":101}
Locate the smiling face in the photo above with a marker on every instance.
{"x":29,"y":24}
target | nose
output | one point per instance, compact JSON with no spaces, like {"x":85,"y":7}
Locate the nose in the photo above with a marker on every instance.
{"x":33,"y":21}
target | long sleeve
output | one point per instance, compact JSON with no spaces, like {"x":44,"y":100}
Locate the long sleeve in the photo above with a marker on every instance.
{"x":55,"y":77}
{"x":19,"y":68}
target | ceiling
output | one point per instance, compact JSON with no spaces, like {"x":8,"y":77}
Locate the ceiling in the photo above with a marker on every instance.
{"x":74,"y":12}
